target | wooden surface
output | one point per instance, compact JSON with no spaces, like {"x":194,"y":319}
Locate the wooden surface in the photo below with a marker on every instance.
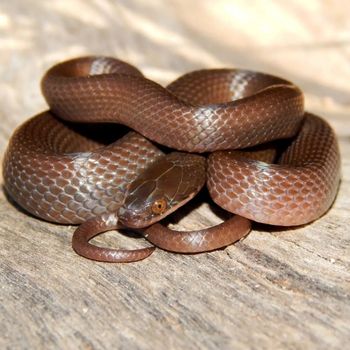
{"x":276,"y":289}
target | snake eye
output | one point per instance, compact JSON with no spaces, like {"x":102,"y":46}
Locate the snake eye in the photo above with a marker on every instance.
{"x":159,"y":206}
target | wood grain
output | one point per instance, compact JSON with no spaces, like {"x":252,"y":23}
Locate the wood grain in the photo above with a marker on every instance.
{"x":280,"y":289}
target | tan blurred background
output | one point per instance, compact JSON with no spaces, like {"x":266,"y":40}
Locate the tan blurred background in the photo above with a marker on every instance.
{"x":275,"y":289}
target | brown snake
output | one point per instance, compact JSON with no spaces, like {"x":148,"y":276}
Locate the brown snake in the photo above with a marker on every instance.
{"x":59,"y":174}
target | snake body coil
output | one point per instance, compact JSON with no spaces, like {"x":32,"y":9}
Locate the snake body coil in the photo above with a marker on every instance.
{"x":58,"y":173}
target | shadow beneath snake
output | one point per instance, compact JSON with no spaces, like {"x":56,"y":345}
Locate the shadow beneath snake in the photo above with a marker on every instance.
{"x":201,"y":198}
{"x":101,"y":133}
{"x":260,"y":227}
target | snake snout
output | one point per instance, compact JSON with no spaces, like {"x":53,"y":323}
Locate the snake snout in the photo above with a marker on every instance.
{"x":132,"y":219}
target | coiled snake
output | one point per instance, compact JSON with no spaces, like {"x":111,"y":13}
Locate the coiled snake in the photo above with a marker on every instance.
{"x":59,"y":174}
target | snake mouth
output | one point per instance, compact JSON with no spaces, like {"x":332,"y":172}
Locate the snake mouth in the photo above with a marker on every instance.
{"x":133,"y":219}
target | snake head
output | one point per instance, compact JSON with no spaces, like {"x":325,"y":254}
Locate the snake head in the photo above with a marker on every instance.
{"x":163,"y":187}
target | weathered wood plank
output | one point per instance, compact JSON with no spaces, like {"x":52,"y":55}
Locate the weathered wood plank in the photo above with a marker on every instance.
{"x":275,"y":289}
